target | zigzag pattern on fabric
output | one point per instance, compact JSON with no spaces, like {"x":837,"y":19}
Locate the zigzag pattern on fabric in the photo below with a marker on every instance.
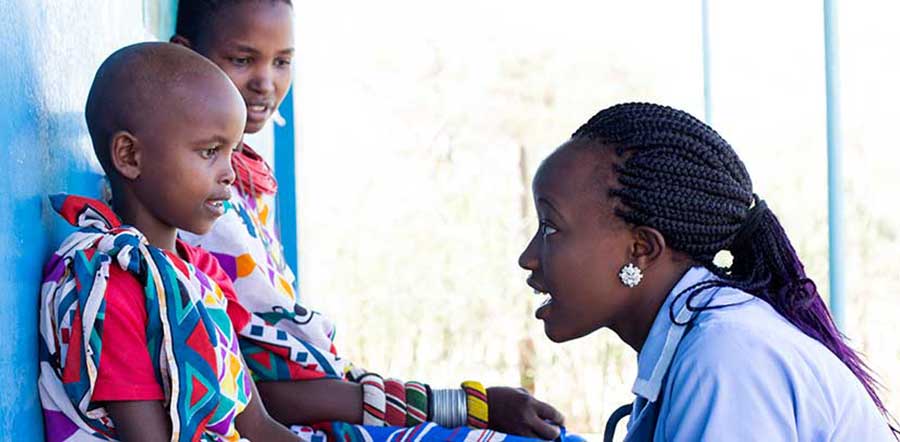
{"x":188,"y":331}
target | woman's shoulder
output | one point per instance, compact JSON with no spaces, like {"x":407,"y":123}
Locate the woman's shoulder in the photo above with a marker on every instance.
{"x":750,"y":348}
{"x":748,"y":343}
{"x":743,"y":328}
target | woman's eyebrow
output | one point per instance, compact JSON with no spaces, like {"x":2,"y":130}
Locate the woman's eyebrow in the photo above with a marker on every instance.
{"x":547,"y":202}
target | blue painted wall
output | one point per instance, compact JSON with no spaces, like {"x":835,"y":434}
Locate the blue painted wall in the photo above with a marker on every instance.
{"x":49,"y":51}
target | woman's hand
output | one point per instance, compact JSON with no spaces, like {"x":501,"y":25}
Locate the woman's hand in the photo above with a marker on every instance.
{"x":515,"y":411}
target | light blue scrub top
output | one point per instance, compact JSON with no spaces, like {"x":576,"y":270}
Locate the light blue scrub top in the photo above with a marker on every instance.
{"x":743,"y":373}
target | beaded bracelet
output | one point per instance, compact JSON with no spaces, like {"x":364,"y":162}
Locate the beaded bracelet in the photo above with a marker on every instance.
{"x":395,"y":395}
{"x":416,"y":403}
{"x":374,"y":399}
{"x":476,"y":404}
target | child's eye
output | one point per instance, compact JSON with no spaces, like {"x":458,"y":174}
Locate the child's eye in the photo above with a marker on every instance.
{"x":282,"y":62}
{"x":547,"y":229}
{"x":209,"y":153}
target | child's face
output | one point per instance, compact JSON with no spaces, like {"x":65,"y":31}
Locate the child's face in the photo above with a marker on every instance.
{"x":580,"y":246}
{"x":253,"y":42}
{"x":185,"y":165}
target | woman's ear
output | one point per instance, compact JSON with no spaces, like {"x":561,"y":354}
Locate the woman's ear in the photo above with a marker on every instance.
{"x":181,"y":40}
{"x":125,"y":155}
{"x":648,"y":246}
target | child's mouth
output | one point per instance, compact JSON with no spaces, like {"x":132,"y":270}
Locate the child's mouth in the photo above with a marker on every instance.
{"x":217,"y":207}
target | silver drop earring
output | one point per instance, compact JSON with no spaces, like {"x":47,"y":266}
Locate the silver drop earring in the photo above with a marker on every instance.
{"x":631,"y":275}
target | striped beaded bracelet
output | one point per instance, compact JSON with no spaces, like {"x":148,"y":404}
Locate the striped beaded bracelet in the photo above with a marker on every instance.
{"x":416,"y":403}
{"x":476,"y":404}
{"x":374,"y":399}
{"x":395,"y":395}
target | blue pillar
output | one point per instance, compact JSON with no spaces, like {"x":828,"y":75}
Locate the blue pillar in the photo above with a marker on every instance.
{"x":160,"y":16}
{"x":285,"y":166}
{"x":837,"y":299}
{"x":707,"y":89}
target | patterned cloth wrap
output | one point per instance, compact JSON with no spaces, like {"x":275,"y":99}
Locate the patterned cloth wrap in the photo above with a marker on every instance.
{"x":427,"y":432}
{"x":189,"y":333}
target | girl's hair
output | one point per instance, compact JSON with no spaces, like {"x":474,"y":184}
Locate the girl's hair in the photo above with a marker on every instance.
{"x":680,"y":177}
{"x":195,"y":16}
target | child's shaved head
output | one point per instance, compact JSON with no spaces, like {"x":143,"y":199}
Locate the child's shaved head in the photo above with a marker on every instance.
{"x":164,"y":121}
{"x":141,"y":87}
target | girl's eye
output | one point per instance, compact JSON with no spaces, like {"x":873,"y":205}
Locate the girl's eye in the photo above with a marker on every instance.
{"x":282,"y":62}
{"x":547,"y":229}
{"x":240,"y":61}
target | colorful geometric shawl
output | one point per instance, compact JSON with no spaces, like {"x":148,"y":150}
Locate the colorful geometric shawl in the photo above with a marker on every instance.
{"x":189,"y":334}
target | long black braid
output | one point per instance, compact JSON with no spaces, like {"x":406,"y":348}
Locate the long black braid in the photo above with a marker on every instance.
{"x":680,"y":177}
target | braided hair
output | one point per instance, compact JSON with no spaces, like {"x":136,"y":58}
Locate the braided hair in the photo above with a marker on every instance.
{"x":680,"y":177}
{"x":195,"y":16}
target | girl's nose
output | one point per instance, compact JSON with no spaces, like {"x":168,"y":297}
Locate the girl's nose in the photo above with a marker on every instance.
{"x":263,"y":81}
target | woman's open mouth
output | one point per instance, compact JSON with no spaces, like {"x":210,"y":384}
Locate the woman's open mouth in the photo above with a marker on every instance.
{"x":542,"y":310}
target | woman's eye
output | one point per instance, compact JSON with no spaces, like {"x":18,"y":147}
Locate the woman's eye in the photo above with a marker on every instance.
{"x":547,"y":229}
{"x":281,"y":62}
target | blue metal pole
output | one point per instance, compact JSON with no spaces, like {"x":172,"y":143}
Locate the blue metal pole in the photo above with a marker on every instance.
{"x":837,"y":299}
{"x":707,"y":89}
{"x":285,"y":166}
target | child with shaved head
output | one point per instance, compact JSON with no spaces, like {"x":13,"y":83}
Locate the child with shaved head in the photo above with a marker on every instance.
{"x":138,"y":329}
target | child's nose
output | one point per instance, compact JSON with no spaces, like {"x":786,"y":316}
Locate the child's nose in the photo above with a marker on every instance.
{"x":227,"y":175}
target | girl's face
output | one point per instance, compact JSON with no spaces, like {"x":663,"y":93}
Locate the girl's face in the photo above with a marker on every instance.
{"x":580,"y":246}
{"x":253,"y":42}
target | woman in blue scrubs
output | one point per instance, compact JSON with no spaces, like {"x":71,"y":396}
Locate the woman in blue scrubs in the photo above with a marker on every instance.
{"x":633,"y":209}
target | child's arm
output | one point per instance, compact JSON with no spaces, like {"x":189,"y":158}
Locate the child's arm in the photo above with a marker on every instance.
{"x":256,"y":424}
{"x":313,"y":401}
{"x":144,"y":421}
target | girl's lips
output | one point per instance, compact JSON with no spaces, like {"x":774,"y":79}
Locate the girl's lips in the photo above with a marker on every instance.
{"x":257,"y":112}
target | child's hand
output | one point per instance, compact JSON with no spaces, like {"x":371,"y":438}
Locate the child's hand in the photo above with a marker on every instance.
{"x":514,"y":411}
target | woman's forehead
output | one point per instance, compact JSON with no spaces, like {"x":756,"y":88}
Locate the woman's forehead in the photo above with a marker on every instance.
{"x":575,"y":174}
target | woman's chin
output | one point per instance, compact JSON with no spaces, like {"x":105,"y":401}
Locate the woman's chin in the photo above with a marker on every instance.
{"x":559,"y":334}
{"x":555,"y":334}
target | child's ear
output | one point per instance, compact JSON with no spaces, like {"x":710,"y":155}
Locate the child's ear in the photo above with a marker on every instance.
{"x":125,"y":155}
{"x":648,"y":246}
{"x":181,"y":40}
